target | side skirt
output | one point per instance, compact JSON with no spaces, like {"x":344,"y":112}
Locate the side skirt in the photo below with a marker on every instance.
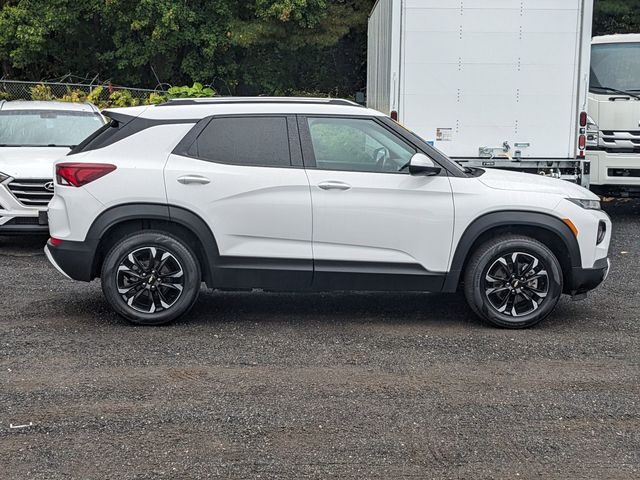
{"x":322,"y":275}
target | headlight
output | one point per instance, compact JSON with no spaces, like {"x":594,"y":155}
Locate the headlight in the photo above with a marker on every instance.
{"x":3,"y":177}
{"x":588,"y":204}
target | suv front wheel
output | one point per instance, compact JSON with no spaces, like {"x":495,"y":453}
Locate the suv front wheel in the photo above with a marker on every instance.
{"x":513,"y":281}
{"x":151,"y":278}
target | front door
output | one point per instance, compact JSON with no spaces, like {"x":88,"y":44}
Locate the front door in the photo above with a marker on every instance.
{"x":375,"y":226}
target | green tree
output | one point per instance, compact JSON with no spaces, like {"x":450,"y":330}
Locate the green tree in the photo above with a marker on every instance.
{"x":616,"y":16}
{"x":259,"y":46}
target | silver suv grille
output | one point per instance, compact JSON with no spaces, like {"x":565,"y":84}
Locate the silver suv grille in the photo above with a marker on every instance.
{"x":624,"y":141}
{"x":32,"y":192}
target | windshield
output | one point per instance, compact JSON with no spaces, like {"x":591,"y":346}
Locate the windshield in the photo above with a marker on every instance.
{"x":615,"y":66}
{"x":46,"y":128}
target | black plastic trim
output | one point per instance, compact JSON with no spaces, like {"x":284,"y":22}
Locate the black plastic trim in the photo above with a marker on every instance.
{"x":586,"y":279}
{"x":120,"y":127}
{"x":509,"y":218}
{"x":259,"y":101}
{"x":374,"y":276}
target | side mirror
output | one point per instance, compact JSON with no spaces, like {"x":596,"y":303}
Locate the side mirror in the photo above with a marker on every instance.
{"x":420,"y":164}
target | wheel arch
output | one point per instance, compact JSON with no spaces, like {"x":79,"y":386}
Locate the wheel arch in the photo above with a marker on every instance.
{"x":121,"y":220}
{"x":550,"y":230}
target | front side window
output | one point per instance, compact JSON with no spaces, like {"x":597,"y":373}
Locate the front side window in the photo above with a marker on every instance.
{"x":256,"y":141}
{"x":360,"y":145}
{"x":46,"y":128}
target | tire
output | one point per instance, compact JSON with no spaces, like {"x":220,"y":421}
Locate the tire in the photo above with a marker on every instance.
{"x":499,"y":296}
{"x":137,"y":293}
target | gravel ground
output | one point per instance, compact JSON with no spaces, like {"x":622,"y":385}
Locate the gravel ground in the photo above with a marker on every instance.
{"x":317,"y":386}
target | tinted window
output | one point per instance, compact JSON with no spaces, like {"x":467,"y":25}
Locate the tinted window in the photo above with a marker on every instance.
{"x":245,"y":141}
{"x":357,"y":145}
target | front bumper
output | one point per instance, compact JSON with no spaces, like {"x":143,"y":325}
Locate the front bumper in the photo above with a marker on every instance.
{"x":17,"y":218}
{"x":586,"y":279}
{"x":614,"y":169}
{"x":74,"y":260}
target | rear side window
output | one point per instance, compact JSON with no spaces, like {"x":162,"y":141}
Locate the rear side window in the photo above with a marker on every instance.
{"x":261,"y":141}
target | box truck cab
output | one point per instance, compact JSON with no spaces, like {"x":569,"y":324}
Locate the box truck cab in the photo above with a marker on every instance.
{"x":491,"y":83}
{"x":614,"y":110}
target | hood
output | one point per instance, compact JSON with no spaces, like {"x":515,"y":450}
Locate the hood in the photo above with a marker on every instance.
{"x":528,"y":182}
{"x":621,"y":114}
{"x":30,"y":162}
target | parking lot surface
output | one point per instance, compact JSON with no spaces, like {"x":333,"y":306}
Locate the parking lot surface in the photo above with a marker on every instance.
{"x":264,"y":385}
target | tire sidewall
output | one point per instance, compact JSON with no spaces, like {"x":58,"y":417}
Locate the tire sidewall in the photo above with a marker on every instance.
{"x":184,"y":255}
{"x":492,"y":253}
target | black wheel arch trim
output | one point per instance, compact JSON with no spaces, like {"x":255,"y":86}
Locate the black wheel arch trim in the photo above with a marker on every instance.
{"x":153,"y":211}
{"x":514,"y":218}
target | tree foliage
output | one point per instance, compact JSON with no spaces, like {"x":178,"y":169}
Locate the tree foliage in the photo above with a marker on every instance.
{"x":241,"y":47}
{"x":238,"y":46}
{"x":616,"y":16}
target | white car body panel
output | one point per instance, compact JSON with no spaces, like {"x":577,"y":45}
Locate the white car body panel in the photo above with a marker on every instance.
{"x":383,"y":217}
{"x":252,"y":211}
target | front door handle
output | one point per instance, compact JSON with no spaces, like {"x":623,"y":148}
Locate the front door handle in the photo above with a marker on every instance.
{"x":193,"y":180}
{"x":334,"y":185}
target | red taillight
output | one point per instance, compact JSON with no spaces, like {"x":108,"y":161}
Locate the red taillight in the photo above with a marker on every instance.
{"x":583,"y":119}
{"x":55,"y":241}
{"x":394,"y":115}
{"x":79,"y":174}
{"x":582,"y":142}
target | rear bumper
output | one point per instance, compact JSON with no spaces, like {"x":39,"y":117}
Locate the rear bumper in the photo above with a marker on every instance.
{"x":587,"y":279}
{"x":73,"y":259}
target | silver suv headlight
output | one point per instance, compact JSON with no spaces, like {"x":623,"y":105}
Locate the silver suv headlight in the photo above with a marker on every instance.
{"x":3,"y":177}
{"x":587,"y":204}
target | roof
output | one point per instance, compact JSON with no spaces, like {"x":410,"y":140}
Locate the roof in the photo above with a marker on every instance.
{"x":48,"y":105}
{"x":187,"y":109}
{"x":617,"y":38}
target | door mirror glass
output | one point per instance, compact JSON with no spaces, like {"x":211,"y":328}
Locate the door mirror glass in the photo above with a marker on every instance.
{"x":422,"y":165}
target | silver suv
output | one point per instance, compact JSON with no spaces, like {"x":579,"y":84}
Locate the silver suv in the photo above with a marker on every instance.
{"x":32,"y":136}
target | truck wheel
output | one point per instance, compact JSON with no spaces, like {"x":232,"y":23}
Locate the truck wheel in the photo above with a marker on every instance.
{"x":151,"y":278}
{"x":513,"y":281}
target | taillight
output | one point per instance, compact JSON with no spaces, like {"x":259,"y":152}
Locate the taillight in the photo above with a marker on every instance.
{"x":55,"y":241}
{"x":394,"y":115}
{"x":583,"y":119}
{"x":582,"y":142}
{"x":79,"y":174}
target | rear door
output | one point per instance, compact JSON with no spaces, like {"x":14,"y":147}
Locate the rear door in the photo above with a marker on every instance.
{"x":375,"y":226}
{"x":243,"y":176}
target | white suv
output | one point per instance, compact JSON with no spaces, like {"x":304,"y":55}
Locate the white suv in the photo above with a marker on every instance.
{"x":32,"y":136}
{"x":308,"y":195}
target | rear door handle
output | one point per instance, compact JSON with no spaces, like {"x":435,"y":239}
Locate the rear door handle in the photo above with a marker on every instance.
{"x":193,"y":180}
{"x":334,"y":185}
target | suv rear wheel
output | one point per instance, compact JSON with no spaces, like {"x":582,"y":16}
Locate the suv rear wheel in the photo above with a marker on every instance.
{"x":151,"y":278}
{"x":513,"y":281}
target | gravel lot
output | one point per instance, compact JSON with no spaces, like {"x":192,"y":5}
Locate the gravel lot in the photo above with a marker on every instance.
{"x":317,"y":386}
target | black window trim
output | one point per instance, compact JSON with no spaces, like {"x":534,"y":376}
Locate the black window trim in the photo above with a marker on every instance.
{"x":295,"y":152}
{"x":389,"y":125}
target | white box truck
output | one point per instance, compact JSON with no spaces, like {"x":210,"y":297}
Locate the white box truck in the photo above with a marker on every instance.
{"x":491,"y":83}
{"x":613,"y":145}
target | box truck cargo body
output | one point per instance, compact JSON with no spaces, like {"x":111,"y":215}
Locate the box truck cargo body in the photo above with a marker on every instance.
{"x":492,"y":83}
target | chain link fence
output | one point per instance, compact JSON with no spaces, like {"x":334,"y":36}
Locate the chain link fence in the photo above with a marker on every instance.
{"x":21,"y":90}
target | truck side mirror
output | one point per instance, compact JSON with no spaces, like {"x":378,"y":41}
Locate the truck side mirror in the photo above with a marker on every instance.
{"x":420,"y":164}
